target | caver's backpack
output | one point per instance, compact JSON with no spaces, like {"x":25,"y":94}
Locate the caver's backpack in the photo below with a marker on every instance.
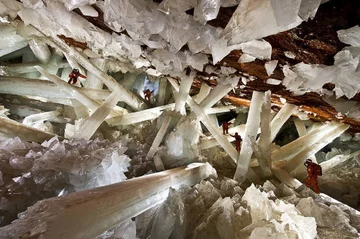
{"x":317,"y":169}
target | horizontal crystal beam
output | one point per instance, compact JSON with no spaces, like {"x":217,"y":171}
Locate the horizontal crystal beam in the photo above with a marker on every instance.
{"x":218,"y":110}
{"x":88,"y":213}
{"x":337,"y":160}
{"x":11,"y":128}
{"x":140,"y":116}
{"x":47,"y":89}
{"x":21,"y":68}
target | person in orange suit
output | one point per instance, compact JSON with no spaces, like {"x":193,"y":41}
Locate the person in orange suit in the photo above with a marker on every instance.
{"x":148,"y":94}
{"x":237,"y":141}
{"x":74,"y":75}
{"x":314,"y":170}
{"x":225,"y":127}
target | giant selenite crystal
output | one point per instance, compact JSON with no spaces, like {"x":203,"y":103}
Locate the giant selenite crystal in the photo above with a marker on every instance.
{"x":271,"y":17}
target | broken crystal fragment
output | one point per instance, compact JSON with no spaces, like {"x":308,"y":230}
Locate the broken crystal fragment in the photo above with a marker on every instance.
{"x":270,"y":67}
{"x":206,"y":10}
{"x":260,"y":49}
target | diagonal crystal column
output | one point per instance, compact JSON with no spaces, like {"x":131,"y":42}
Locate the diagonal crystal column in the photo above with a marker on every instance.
{"x":91,"y":124}
{"x":219,"y":92}
{"x":280,"y":118}
{"x":11,"y":128}
{"x":301,"y":129}
{"x":204,"y":91}
{"x":159,"y":137}
{"x":181,"y":97}
{"x":129,"y":97}
{"x":293,"y":148}
{"x":322,"y":141}
{"x":81,"y":97}
{"x":88,"y":213}
{"x":251,"y":131}
{"x":217,"y":134}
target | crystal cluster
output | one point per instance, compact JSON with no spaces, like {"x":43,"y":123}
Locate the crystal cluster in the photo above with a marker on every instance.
{"x":219,"y":208}
{"x":32,"y":172}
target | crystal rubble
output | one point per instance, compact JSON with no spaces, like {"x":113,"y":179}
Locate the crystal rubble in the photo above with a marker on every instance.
{"x":251,"y":130}
{"x":120,"y":206}
{"x":91,"y":124}
{"x":206,"y":10}
{"x":219,"y":208}
{"x":241,"y":28}
{"x":33,"y":172}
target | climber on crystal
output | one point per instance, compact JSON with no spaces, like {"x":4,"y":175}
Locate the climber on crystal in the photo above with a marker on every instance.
{"x":237,"y":141}
{"x":147,"y":94}
{"x":74,"y":75}
{"x":314,"y":170}
{"x":225,"y":127}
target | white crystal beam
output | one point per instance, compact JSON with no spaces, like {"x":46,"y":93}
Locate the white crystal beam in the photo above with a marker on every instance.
{"x":293,"y":148}
{"x":222,"y":109}
{"x":322,"y":141}
{"x":91,"y":124}
{"x":181,"y":97}
{"x":140,"y":116}
{"x":12,"y":128}
{"x":159,"y":137}
{"x":301,"y":129}
{"x":251,"y":131}
{"x":265,"y":140}
{"x":162,"y":91}
{"x":21,"y":68}
{"x":47,"y":89}
{"x":216,"y":133}
{"x":280,"y":118}
{"x":129,"y":97}
{"x":40,"y":50}
{"x":88,"y":213}
{"x":41,"y":116}
{"x":337,"y":160}
{"x":219,"y":92}
{"x":78,"y":95}
{"x":92,"y":81}
{"x":204,"y":91}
